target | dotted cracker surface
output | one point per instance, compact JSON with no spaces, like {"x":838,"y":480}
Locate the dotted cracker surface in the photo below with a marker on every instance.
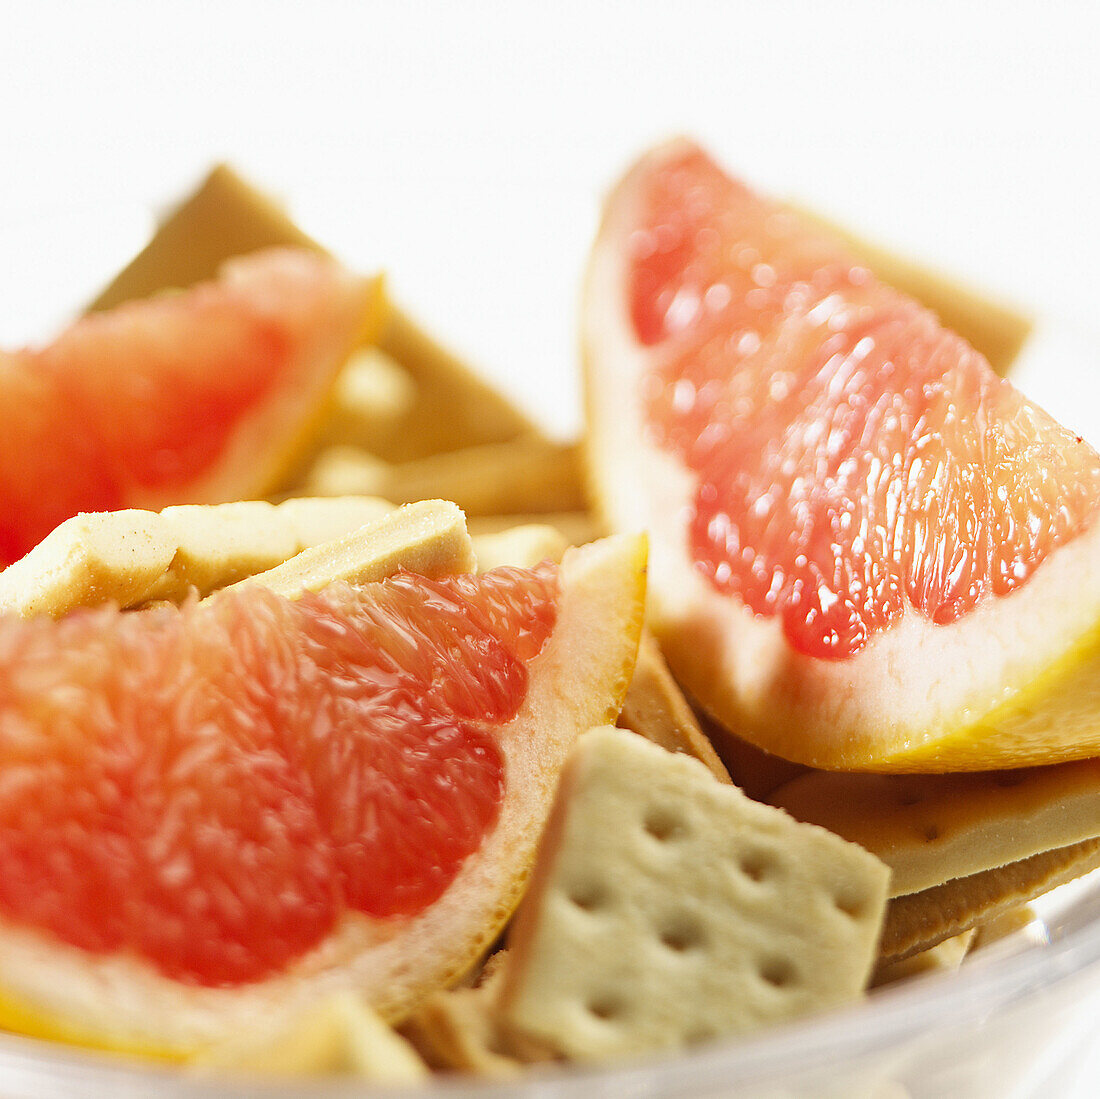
{"x":667,"y":908}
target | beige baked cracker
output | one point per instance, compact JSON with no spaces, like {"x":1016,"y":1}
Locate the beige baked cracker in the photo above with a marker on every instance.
{"x":220,"y":545}
{"x":93,"y":558}
{"x":920,"y":920}
{"x":520,"y":547}
{"x":457,"y":1029}
{"x":371,"y":403}
{"x":455,"y":408}
{"x":451,"y":407}
{"x":576,"y":527}
{"x":666,"y":907}
{"x":223,"y":217}
{"x":428,"y":538}
{"x":339,"y":1035}
{"x":313,"y":520}
{"x":527,"y":474}
{"x":132,"y":557}
{"x":944,"y":957}
{"x":655,"y":708}
{"x":1007,"y":924}
{"x":932,"y":828}
{"x":755,"y":771}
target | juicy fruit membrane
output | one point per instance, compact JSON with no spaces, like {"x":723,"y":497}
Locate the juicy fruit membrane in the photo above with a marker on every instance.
{"x":282,"y":796}
{"x":361,"y":778}
{"x":853,"y":458}
{"x":199,"y":396}
{"x":862,"y":536}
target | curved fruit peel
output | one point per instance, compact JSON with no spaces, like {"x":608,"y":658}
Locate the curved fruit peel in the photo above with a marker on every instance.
{"x":49,"y":989}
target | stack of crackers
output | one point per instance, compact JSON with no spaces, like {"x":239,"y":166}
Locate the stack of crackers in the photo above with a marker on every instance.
{"x":688,"y":886}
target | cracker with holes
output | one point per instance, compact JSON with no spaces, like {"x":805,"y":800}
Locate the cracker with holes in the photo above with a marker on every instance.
{"x":666,"y":907}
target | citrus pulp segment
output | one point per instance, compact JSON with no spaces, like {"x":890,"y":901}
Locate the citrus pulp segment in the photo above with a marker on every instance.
{"x":196,"y":397}
{"x":869,"y":552}
{"x":345,"y":790}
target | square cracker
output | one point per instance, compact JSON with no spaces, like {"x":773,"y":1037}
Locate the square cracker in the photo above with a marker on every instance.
{"x":666,"y":907}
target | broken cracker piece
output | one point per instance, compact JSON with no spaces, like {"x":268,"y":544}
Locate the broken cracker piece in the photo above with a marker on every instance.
{"x":132,"y":557}
{"x":1004,"y":925}
{"x":920,"y":920}
{"x":655,"y":708}
{"x":345,"y":471}
{"x":372,"y":401}
{"x":223,"y":217}
{"x":221,"y":544}
{"x":528,"y":474}
{"x":755,"y":771}
{"x":944,"y":957}
{"x":226,"y":217}
{"x":342,"y":1034}
{"x":428,"y":538}
{"x":666,"y":907}
{"x":521,"y":547}
{"x":932,"y":828}
{"x":455,"y":408}
{"x":93,"y":558}
{"x":316,"y":519}
{"x":457,"y":1029}
{"x":576,"y":527}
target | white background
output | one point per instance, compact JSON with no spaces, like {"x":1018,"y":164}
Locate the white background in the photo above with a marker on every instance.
{"x":465,"y":146}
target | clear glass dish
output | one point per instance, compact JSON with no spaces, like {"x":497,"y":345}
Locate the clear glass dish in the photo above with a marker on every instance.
{"x":1017,"y":1021}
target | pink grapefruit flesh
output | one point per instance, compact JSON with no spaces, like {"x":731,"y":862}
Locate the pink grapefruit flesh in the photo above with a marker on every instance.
{"x":868,"y":552}
{"x":197,"y":396}
{"x":214,"y":812}
{"x":234,"y":775}
{"x":854,"y":460}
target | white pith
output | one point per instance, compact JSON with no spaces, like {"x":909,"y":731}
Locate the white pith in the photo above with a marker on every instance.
{"x":576,"y":682}
{"x":910,"y":685}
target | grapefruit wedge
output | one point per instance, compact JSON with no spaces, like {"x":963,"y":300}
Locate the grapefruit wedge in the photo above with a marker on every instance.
{"x":201,"y":396}
{"x":868,"y":551}
{"x":214,"y":810}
